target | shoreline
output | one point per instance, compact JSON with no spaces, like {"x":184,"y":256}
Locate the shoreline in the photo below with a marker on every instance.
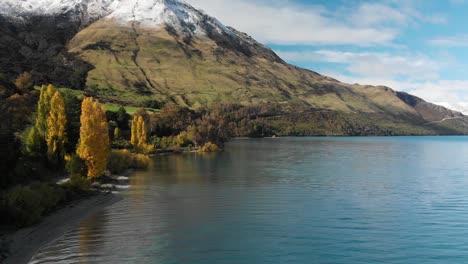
{"x":24,"y":243}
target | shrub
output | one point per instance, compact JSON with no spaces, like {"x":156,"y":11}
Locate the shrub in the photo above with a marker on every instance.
{"x":50,"y":195}
{"x":121,"y":144}
{"x":184,"y":140}
{"x":76,"y":166}
{"x":78,"y":184}
{"x":145,"y":149}
{"x":26,"y":204}
{"x":140,"y":161}
{"x":209,"y":147}
{"x":122,"y":160}
{"x":28,"y":169}
{"x":165,"y":143}
{"x":119,"y":161}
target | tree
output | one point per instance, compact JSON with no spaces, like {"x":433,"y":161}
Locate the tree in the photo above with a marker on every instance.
{"x":139,"y":132}
{"x":73,"y":111}
{"x":122,"y":118}
{"x":56,"y":126}
{"x":117,"y":133}
{"x":24,"y":82}
{"x":43,"y":109}
{"x":211,"y":127}
{"x":34,"y":143}
{"x":94,"y":143}
{"x":38,"y":139}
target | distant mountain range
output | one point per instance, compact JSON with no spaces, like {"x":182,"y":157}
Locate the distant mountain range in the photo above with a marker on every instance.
{"x":138,"y":51}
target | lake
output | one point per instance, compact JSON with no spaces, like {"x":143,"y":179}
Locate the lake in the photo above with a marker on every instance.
{"x":287,"y":200}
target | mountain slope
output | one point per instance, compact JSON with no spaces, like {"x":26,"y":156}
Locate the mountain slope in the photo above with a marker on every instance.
{"x":133,"y":51}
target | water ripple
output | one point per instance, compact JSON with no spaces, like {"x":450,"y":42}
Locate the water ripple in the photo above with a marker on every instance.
{"x":294,"y":200}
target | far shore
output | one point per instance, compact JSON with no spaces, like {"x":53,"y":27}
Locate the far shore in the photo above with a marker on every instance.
{"x":25,"y":243}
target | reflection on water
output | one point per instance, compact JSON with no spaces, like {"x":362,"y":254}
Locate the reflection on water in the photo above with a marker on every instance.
{"x":88,"y":231}
{"x":292,"y":200}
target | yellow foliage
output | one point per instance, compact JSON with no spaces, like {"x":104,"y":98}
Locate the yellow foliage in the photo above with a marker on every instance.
{"x":56,"y":126}
{"x":117,"y":133}
{"x":94,"y":145}
{"x":139,"y":137}
{"x":184,"y":139}
{"x":209,"y":147}
{"x":24,"y":81}
{"x":122,"y":160}
{"x":43,"y":109}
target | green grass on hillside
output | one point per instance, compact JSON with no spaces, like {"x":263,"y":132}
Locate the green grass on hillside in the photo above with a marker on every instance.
{"x":130,"y":109}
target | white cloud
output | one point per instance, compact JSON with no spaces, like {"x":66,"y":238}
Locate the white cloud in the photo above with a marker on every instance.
{"x":377,"y":13}
{"x":381,"y":65}
{"x":291,"y":23}
{"x":451,"y":41}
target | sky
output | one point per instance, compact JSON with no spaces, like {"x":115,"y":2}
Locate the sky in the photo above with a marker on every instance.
{"x":416,"y":46}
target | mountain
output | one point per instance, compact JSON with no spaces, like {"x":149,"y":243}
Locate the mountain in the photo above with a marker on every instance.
{"x":137,"y":52}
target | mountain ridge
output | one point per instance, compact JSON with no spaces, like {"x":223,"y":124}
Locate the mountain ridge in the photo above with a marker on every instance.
{"x":131,"y":51}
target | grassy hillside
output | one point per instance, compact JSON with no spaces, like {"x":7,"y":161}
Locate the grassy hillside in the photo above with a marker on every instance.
{"x":137,"y":66}
{"x":134,"y":65}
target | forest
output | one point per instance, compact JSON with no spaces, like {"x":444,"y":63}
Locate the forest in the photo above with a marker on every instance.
{"x":50,"y":133}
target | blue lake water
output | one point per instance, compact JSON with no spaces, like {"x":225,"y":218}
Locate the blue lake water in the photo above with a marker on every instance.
{"x":288,"y":200}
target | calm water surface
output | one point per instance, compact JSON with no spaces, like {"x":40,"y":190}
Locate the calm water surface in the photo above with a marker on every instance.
{"x":289,"y":200}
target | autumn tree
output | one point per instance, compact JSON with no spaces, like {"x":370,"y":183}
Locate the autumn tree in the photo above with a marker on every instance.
{"x":94,"y":143}
{"x":38,"y":140}
{"x":139,"y":132}
{"x":212,"y":127}
{"x":24,"y":82}
{"x":117,"y":133}
{"x":56,"y":128}
{"x":43,"y":109}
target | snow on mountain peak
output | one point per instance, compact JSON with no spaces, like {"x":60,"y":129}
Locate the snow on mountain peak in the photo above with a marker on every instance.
{"x":145,"y":13}
{"x":22,"y":8}
{"x":175,"y":13}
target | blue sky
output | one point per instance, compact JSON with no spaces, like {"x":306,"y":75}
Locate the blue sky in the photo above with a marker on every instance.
{"x":411,"y":45}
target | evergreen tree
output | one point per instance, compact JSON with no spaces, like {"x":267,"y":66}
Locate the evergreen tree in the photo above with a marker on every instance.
{"x":94,"y":144}
{"x":34,"y":143}
{"x":123,"y":118}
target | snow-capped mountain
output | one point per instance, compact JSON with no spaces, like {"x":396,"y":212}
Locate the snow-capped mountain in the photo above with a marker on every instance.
{"x":141,"y":52}
{"x":144,"y":13}
{"x":81,"y":10}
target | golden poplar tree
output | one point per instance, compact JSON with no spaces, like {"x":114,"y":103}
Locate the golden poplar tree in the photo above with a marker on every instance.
{"x":94,"y":145}
{"x":43,"y":109}
{"x":134,"y":128}
{"x":36,"y":143}
{"x":142,"y":136}
{"x":139,"y":135}
{"x":56,"y":127}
